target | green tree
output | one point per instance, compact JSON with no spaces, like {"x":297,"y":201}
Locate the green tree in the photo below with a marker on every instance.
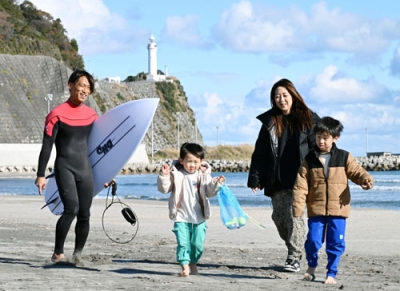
{"x":74,"y":44}
{"x":26,"y":30}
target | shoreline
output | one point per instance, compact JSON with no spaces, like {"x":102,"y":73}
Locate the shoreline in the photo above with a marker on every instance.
{"x":130,"y":185}
{"x":243,"y":259}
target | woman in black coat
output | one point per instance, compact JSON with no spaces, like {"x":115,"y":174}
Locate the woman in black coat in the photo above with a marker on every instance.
{"x":285,"y":137}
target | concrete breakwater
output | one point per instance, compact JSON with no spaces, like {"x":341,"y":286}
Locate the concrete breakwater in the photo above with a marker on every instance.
{"x":381,"y":163}
{"x":216,"y":165}
{"x":375,"y":163}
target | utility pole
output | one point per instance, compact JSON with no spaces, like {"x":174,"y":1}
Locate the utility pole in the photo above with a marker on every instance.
{"x":48,"y":98}
{"x":195,"y":127}
{"x":366,"y":142}
{"x":152,"y":148}
{"x":217,"y":135}
{"x":178,"y":129}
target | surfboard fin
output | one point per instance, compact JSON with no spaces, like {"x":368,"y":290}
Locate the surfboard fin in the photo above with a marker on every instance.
{"x":51,"y":175}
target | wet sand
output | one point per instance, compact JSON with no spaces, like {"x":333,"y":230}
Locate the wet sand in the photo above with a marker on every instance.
{"x":249,"y":258}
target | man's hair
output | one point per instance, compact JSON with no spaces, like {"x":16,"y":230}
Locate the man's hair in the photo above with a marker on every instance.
{"x":192,"y":148}
{"x":80,"y":73}
{"x":330,"y":125}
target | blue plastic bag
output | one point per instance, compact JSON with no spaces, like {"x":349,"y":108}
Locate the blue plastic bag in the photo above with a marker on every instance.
{"x":232,"y":215}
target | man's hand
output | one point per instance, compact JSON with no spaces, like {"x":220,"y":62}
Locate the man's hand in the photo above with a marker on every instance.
{"x":41,"y":184}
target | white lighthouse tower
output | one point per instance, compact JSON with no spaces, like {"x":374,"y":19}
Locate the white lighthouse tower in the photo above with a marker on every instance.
{"x":152,"y":48}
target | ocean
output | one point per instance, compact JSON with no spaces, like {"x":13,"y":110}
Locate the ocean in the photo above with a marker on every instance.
{"x":384,"y":195}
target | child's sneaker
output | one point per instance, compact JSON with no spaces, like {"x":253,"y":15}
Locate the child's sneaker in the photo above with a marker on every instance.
{"x":292,"y":265}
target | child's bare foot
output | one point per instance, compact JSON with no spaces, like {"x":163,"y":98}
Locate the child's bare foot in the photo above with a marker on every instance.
{"x":185,"y":271}
{"x":330,"y":280}
{"x":56,"y":258}
{"x":309,"y":274}
{"x":193,"y":269}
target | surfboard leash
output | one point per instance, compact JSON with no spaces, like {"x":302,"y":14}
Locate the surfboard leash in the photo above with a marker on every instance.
{"x":128,"y":214}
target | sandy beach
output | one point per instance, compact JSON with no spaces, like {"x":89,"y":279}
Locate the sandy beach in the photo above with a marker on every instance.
{"x":249,"y":258}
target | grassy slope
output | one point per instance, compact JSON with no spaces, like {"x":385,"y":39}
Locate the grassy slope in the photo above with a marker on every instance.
{"x":223,"y":152}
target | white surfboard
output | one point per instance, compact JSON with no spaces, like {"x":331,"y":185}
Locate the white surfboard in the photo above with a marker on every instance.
{"x":114,"y":138}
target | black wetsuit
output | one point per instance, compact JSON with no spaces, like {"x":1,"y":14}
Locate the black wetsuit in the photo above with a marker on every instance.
{"x":69,"y":126}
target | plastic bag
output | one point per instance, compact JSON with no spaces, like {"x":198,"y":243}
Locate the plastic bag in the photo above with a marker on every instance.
{"x":232,"y":215}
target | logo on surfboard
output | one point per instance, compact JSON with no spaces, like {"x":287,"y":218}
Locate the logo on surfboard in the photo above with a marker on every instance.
{"x":103,"y":149}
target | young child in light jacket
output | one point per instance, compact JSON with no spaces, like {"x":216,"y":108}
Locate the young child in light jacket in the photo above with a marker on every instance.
{"x":322,"y":184}
{"x":190,"y":183}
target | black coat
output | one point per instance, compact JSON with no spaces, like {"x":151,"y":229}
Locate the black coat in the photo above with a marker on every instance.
{"x":265,"y":160}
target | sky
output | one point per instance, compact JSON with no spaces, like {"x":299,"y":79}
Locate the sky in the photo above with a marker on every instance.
{"x":343,"y":57}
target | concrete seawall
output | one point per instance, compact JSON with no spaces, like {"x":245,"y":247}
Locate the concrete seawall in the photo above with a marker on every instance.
{"x":23,"y":158}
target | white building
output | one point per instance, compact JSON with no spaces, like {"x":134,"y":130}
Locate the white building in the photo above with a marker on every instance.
{"x":114,"y":80}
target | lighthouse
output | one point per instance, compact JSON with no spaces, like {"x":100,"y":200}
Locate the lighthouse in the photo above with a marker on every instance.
{"x":152,"y":49}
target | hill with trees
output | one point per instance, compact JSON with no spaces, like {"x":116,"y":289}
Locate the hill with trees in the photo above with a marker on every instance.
{"x":26,"y":30}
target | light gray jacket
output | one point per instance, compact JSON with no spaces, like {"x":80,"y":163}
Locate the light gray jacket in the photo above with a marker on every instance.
{"x":174,"y":183}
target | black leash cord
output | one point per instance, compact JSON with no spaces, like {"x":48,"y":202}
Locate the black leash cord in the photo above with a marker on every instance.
{"x":126,"y":211}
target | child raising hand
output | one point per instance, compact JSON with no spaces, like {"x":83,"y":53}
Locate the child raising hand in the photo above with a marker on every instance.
{"x":189,"y":181}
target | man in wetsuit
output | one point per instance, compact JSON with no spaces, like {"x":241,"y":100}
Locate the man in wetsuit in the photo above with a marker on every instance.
{"x":68,"y":126}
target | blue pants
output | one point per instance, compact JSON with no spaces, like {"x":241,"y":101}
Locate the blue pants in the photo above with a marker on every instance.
{"x":333,"y":229}
{"x":190,"y":238}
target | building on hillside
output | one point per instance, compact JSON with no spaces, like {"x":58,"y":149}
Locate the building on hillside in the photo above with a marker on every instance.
{"x":113,"y":80}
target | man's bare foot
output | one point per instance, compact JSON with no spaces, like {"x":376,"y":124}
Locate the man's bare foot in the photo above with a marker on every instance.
{"x":78,"y":261}
{"x":330,"y":280}
{"x":309,"y":274}
{"x":56,"y":258}
{"x":193,"y":269}
{"x":185,"y":271}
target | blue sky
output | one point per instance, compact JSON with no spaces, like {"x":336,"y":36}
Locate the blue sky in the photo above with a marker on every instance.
{"x":343,"y":57}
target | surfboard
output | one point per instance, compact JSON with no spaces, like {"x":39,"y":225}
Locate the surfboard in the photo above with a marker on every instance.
{"x":114,"y":138}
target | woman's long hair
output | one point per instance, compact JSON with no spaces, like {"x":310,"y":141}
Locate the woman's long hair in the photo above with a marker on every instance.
{"x":301,"y":115}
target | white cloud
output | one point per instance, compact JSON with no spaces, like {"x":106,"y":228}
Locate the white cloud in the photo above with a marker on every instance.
{"x":91,"y":23}
{"x":330,"y":87}
{"x":213,"y":111}
{"x":395,"y":63}
{"x":381,"y":121}
{"x":237,"y":123}
{"x":245,"y":29}
{"x":260,"y":95}
{"x":80,"y":16}
{"x":255,"y":28}
{"x":184,"y":31}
